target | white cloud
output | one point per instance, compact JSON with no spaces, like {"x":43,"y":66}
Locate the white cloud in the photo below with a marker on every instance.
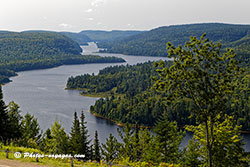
{"x":64,"y":25}
{"x":97,"y":3}
{"x":90,"y":19}
{"x":89,"y":10}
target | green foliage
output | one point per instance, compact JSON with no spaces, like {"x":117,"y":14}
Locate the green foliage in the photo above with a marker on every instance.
{"x":201,"y":74}
{"x":58,"y":142}
{"x":75,"y":136}
{"x":85,"y":142}
{"x":169,"y":139}
{"x":30,"y":131}
{"x":110,"y":149}
{"x":128,"y":80}
{"x":15,"y":118}
{"x":228,"y":144}
{"x":3,"y":118}
{"x":97,"y":148}
{"x":80,"y":38}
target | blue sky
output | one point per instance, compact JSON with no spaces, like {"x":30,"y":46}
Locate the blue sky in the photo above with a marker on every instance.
{"x":78,"y":15}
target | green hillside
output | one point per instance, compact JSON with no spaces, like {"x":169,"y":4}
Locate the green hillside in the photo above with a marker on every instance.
{"x":38,"y":50}
{"x":153,"y":43}
{"x":105,"y":36}
{"x":81,"y":39}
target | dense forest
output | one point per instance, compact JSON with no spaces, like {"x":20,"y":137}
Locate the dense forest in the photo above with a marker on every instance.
{"x":37,"y":50}
{"x":131,"y":99}
{"x":153,"y":43}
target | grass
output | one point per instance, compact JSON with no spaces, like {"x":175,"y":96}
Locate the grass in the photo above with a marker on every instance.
{"x":51,"y":162}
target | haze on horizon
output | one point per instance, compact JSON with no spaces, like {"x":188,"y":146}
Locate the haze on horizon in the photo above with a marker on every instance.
{"x":78,"y":15}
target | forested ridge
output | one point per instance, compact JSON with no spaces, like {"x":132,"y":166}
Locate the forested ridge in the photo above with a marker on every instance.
{"x":38,"y":50}
{"x":153,"y":42}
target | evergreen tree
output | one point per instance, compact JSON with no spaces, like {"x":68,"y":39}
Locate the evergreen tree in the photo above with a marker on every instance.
{"x":149,"y":147}
{"x":192,"y":155}
{"x":111,"y":149}
{"x":127,"y":137}
{"x":4,"y":119}
{"x":97,"y":150}
{"x":15,"y":131}
{"x":59,"y":142}
{"x":85,"y":142}
{"x":30,"y":131}
{"x":169,"y":139}
{"x":75,"y":136}
{"x":45,"y":141}
{"x":136,"y":152}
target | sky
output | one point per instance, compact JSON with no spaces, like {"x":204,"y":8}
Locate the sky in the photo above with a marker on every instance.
{"x":78,"y":15}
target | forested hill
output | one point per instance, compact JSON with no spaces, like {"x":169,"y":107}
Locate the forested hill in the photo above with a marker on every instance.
{"x":107,"y":36}
{"x":131,"y":99}
{"x":153,"y":43}
{"x":80,"y":38}
{"x":37,"y":50}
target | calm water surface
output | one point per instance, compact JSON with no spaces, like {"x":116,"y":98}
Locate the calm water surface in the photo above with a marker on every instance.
{"x":42,"y":93}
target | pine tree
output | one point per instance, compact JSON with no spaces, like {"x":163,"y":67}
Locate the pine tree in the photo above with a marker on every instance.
{"x":4,"y":119}
{"x":111,"y":149}
{"x":59,"y":142}
{"x":75,"y":136}
{"x":136,"y":152}
{"x":30,"y":131}
{"x":148,"y":146}
{"x":168,"y":138}
{"x":127,"y":137}
{"x":14,"y":127}
{"x":85,"y":142}
{"x":97,"y":151}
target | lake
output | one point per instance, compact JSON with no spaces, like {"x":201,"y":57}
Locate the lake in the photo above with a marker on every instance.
{"x":42,"y":93}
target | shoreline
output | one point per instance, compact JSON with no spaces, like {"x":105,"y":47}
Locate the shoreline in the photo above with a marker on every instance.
{"x":134,"y":126}
{"x":118,"y":123}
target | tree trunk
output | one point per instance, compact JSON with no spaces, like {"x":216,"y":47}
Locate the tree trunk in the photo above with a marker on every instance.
{"x":209,"y":148}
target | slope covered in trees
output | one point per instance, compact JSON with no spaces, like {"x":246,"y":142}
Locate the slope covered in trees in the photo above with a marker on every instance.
{"x":132,"y":100}
{"x":37,"y":50}
{"x":153,"y":43}
{"x":81,"y":39}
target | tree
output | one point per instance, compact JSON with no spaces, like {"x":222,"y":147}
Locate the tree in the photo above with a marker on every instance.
{"x":127,"y":138}
{"x":30,"y":131}
{"x":149,"y":147}
{"x":75,"y":136}
{"x":169,"y":139}
{"x":111,"y":149}
{"x":228,"y":148}
{"x":45,"y":141}
{"x":97,"y":149}
{"x":85,"y":148}
{"x":4,"y":120}
{"x":59,"y":141}
{"x":14,"y":127}
{"x":199,"y":73}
